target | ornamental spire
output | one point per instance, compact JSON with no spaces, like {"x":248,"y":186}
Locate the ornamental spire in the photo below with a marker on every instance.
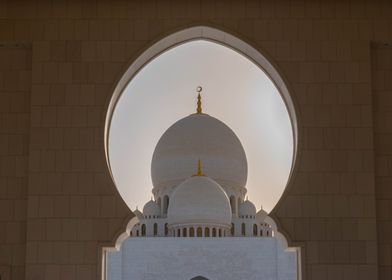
{"x":199,"y":173}
{"x":199,"y":110}
{"x":198,"y":168}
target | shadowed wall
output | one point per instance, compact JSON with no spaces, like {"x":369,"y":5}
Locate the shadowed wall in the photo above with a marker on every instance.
{"x":79,"y":49}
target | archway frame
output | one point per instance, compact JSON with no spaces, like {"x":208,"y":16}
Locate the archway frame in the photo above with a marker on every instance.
{"x":241,"y":45}
{"x":203,"y":32}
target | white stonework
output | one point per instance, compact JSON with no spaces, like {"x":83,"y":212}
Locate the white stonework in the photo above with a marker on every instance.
{"x":199,"y":136}
{"x":199,"y":200}
{"x":199,"y":224}
{"x":231,"y":258}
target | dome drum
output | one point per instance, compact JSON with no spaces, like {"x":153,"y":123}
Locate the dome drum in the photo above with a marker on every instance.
{"x":200,"y":224}
{"x":199,"y":230}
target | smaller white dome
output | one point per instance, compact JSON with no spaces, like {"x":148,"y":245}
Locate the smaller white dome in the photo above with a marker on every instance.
{"x":138,"y":214}
{"x":261,"y":215}
{"x":247,"y":208}
{"x":199,"y":200}
{"x":151,"y":208}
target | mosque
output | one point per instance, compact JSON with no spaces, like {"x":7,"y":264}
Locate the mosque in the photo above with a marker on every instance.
{"x":199,"y":171}
{"x":64,"y":66}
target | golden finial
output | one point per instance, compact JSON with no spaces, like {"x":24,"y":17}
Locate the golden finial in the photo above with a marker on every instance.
{"x":199,"y":109}
{"x":198,"y":168}
{"x":199,"y":173}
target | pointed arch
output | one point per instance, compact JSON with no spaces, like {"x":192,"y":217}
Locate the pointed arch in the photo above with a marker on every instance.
{"x":255,"y":231}
{"x":231,"y":41}
{"x":165,"y":204}
{"x":208,"y":33}
{"x":233,"y":204}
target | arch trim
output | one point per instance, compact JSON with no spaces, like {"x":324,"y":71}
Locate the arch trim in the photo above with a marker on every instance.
{"x":261,"y":59}
{"x":203,"y":32}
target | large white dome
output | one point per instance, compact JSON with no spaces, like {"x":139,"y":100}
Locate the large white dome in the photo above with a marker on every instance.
{"x":199,"y":136}
{"x":199,"y":200}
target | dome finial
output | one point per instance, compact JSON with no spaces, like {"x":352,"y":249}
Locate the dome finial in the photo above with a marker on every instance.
{"x":198,"y":168}
{"x":199,"y":173}
{"x":199,"y":109}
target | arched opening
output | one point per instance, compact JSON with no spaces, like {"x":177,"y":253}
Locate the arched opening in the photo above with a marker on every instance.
{"x":254,"y":230}
{"x":243,"y":229}
{"x":232,"y":229}
{"x":123,"y":117}
{"x":159,"y":203}
{"x":207,"y":232}
{"x":238,"y":205}
{"x":184,"y":232}
{"x":232,"y":204}
{"x":166,"y":230}
{"x":143,"y":230}
{"x":155,"y":229}
{"x":199,"y":278}
{"x":199,"y":232}
{"x":192,"y":232}
{"x":165,"y":204}
{"x":183,"y":38}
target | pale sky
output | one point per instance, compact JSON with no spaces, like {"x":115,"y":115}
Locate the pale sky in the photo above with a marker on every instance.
{"x":235,"y":91}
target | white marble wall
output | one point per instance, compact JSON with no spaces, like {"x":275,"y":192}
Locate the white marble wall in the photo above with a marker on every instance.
{"x":214,"y":258}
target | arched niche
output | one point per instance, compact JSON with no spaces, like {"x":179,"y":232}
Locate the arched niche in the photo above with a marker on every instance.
{"x":216,"y":36}
{"x":221,"y":37}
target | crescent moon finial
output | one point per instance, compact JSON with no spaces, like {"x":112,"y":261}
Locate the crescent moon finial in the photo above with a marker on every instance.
{"x":199,"y":110}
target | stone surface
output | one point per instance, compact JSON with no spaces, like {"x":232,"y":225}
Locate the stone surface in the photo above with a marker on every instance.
{"x":52,"y":151}
{"x":382,"y":108}
{"x":179,"y":149}
{"x":226,"y":258}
